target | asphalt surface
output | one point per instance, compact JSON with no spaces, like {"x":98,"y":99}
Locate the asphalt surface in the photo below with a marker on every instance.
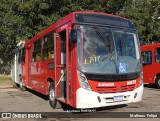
{"x":13,"y":100}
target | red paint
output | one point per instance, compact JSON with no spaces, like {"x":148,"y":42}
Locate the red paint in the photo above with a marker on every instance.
{"x":150,"y":71}
{"x":113,"y":87}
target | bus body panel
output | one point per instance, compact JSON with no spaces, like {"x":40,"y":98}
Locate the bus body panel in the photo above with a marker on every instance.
{"x":114,"y":87}
{"x":88,"y":99}
{"x":16,"y":64}
{"x":15,"y":67}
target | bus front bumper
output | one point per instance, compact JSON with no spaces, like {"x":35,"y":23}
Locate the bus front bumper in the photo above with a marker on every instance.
{"x":90,"y":99}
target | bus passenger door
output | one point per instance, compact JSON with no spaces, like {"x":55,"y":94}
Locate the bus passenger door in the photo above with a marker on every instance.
{"x":63,"y":66}
{"x":70,"y":69}
{"x":57,"y":65}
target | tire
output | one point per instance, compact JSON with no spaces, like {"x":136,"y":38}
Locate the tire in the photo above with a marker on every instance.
{"x":21,"y":85}
{"x":51,"y":95}
{"x":158,"y":82}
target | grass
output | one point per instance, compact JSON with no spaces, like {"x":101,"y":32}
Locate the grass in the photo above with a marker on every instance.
{"x":5,"y":80}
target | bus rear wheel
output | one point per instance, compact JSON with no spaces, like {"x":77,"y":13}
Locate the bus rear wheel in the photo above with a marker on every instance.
{"x":21,"y":86}
{"x":52,"y":99}
{"x":158,"y":82}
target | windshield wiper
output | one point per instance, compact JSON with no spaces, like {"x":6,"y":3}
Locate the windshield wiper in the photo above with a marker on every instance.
{"x":103,"y":40}
{"x":109,"y":46}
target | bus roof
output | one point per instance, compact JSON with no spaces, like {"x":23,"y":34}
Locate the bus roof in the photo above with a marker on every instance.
{"x":71,"y":19}
{"x":149,"y":46}
{"x":100,"y":13}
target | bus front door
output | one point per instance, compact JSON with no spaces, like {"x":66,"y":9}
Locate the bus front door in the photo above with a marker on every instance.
{"x":70,"y":70}
{"x":64,"y":66}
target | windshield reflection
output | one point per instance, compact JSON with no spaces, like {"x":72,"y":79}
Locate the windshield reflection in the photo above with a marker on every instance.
{"x":107,"y":50}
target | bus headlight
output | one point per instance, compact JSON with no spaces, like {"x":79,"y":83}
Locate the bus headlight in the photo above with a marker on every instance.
{"x":83,"y":81}
{"x":141,"y":79}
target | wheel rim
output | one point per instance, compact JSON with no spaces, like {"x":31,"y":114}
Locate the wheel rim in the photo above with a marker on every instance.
{"x":51,"y":95}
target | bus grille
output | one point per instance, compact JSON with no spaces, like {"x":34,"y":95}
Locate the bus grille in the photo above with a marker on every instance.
{"x":116,"y":89}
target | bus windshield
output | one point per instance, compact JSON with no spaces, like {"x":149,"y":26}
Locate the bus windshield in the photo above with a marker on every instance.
{"x":107,"y":50}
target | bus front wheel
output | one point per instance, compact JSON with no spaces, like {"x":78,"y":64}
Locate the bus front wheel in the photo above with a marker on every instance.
{"x":52,"y":99}
{"x":158,"y":82}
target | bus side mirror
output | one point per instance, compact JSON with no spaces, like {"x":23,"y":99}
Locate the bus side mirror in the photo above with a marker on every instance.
{"x":73,"y":36}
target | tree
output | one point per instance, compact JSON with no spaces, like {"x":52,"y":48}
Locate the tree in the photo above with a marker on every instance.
{"x":6,"y":32}
{"x":145,"y":15}
{"x":23,"y":19}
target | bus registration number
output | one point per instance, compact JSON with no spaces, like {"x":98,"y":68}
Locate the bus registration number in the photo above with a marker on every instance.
{"x":118,"y":98}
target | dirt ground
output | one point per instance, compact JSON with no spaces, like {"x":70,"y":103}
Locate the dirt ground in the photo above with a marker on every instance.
{"x":13,"y":100}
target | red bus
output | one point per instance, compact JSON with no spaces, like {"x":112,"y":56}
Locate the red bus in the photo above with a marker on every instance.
{"x":86,"y":60}
{"x":151,"y":64}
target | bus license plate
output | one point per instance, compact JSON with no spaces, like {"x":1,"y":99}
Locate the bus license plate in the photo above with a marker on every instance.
{"x":118,"y":98}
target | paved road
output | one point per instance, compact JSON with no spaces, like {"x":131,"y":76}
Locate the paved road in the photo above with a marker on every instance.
{"x":13,"y":100}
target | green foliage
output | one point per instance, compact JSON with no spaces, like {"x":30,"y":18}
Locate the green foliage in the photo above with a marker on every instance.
{"x":22,"y":19}
{"x":145,"y":15}
{"x":5,"y":80}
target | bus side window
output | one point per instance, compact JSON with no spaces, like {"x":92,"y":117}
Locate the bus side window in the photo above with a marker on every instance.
{"x":37,"y":51}
{"x":48,"y":47}
{"x":158,"y":55}
{"x":147,"y":58}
